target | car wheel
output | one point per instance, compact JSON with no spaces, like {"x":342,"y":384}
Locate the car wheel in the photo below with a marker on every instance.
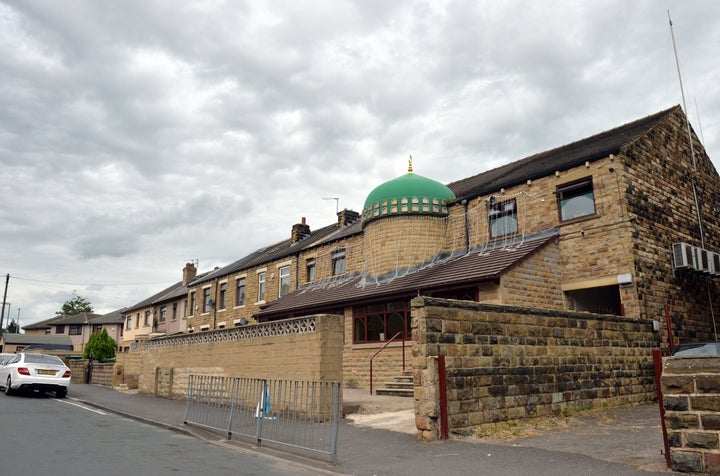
{"x":61,"y":393}
{"x":8,"y":390}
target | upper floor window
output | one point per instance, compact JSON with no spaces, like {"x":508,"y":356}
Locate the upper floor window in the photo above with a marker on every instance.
{"x":576,"y":199}
{"x":137,"y":321}
{"x":284,"y":281}
{"x":222,"y":295}
{"x":147,"y":318}
{"x":60,"y":329}
{"x":338,"y":262}
{"x":191,"y":311}
{"x":206,"y":299}
{"x":74,"y":329}
{"x":311,"y":270}
{"x":174,"y":314}
{"x":163,"y":313}
{"x":502,"y":218}
{"x":128,"y":325}
{"x":261,"y":286}
{"x":240,"y":292}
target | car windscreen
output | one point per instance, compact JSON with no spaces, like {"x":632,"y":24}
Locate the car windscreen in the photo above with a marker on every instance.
{"x":698,"y":350}
{"x":42,"y":359}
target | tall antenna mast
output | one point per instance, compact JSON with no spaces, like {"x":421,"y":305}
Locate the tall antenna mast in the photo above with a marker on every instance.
{"x":692,"y":153}
{"x":337,"y":202}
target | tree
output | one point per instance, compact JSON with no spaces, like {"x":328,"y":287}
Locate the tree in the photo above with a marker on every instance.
{"x":101,"y":345}
{"x":74,"y":306}
{"x":13,"y":328}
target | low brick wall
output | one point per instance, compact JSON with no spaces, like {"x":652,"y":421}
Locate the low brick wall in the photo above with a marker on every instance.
{"x":308,"y":348}
{"x":691,"y":396}
{"x":505,"y":363}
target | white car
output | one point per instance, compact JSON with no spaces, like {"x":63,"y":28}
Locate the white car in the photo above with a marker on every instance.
{"x":46,"y":373}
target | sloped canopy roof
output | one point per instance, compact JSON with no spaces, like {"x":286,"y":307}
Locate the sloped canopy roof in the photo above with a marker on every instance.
{"x":477,"y":266}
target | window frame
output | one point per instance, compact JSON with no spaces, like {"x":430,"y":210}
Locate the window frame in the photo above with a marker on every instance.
{"x":75,"y":329}
{"x":146,"y":320}
{"x":338,"y":262}
{"x":222,"y":295}
{"x":206,"y":299}
{"x":362,"y":315}
{"x":499,"y":211}
{"x":311,"y":270}
{"x":261,"y":275}
{"x":573,"y":190}
{"x":60,"y":329}
{"x":240,"y":296}
{"x":163,"y":313}
{"x":283,"y":280}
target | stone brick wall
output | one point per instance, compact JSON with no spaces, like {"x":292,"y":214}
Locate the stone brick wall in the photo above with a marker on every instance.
{"x":691,"y":396}
{"x":295,"y":349}
{"x":507,"y":363}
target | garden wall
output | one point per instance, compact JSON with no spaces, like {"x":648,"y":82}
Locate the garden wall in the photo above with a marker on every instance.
{"x":505,"y":363}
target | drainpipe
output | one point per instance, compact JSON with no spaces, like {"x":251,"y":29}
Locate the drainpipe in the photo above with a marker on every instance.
{"x":467,"y":225}
{"x":217,"y":284}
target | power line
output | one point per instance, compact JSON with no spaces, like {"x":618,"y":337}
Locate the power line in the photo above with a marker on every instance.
{"x":86,"y":284}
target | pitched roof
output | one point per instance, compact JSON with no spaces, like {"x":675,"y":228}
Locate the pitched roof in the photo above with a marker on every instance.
{"x":114,"y":317}
{"x":562,"y":158}
{"x":168,"y":294}
{"x":79,"y":318}
{"x":36,"y":339}
{"x":482,"y":264}
{"x":283,"y":249}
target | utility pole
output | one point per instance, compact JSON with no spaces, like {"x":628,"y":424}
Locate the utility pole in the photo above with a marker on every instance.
{"x":2,"y":313}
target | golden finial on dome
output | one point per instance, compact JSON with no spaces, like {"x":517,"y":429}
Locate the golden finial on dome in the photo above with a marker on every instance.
{"x":410,"y":165}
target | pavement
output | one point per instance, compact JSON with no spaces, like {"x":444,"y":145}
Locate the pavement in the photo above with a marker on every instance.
{"x":377,"y":437}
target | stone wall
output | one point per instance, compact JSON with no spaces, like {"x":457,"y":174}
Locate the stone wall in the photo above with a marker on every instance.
{"x":308,"y":348}
{"x":505,"y":363}
{"x":691,"y":396}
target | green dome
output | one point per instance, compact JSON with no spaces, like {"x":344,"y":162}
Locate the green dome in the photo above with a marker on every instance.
{"x":410,"y":194}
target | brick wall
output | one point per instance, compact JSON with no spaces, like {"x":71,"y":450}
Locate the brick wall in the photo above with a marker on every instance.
{"x":507,"y":363}
{"x":691,"y":396}
{"x":295,"y":349}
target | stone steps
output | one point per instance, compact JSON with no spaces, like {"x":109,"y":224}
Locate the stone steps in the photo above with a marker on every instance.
{"x":399,"y":386}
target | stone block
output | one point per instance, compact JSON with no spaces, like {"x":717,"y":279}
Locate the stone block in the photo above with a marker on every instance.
{"x":710,"y":422}
{"x":708,"y":383}
{"x":673,"y":384}
{"x":705,"y":403}
{"x":686,"y":461}
{"x":677,"y":404}
{"x":702,"y":439}
{"x":712,"y":463}
{"x":681,"y":420}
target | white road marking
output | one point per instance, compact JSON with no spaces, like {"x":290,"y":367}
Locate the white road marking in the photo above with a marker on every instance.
{"x":100,"y":412}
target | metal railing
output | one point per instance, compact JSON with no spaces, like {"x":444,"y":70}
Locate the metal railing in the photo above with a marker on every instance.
{"x":299,"y":414}
{"x":383,"y":348}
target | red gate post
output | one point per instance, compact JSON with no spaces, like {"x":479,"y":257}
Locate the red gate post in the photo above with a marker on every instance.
{"x":657,"y":363}
{"x":442,"y":382}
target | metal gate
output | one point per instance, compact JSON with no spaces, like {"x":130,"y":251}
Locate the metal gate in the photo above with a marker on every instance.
{"x":296,"y":413}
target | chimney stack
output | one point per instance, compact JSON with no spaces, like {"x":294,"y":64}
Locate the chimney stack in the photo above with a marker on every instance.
{"x":189,"y":273}
{"x":347,"y":217}
{"x":299,"y":231}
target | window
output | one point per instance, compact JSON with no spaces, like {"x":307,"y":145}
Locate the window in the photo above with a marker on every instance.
{"x":380,"y":322}
{"x":240,"y":292}
{"x":338,"y":262}
{"x":192,"y":304}
{"x":163,"y":313}
{"x":137,"y":321}
{"x":598,"y":300}
{"x":284,"y":281}
{"x":174,"y":314}
{"x":221,"y":295}
{"x":576,"y":199}
{"x":146,"y":321}
{"x":206,"y":299}
{"x":128,"y":325}
{"x":310,"y":267}
{"x":60,"y":329}
{"x":74,"y":329}
{"x":261,"y":286}
{"x":502,"y":218}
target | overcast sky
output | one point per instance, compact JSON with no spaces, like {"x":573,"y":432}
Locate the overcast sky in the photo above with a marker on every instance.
{"x":136,"y":135}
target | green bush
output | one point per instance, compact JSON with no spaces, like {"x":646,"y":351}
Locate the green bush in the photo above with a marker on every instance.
{"x":101,"y":345}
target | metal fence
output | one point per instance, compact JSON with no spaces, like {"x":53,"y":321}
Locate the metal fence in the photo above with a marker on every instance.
{"x":300,"y":414}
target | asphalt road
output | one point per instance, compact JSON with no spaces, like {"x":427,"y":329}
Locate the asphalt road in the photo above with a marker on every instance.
{"x":43,"y":435}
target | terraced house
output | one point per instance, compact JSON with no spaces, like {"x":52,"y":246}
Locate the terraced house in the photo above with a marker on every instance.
{"x":621,"y":223}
